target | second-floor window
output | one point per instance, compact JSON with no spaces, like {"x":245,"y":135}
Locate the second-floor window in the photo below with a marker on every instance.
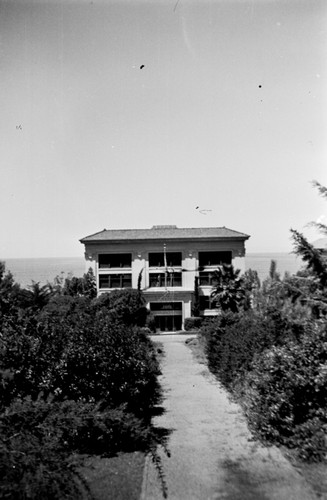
{"x":160,"y":280}
{"x":108,"y":260}
{"x":173,"y":259}
{"x":214,"y":258}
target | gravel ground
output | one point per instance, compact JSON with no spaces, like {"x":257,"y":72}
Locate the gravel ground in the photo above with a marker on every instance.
{"x":213,"y":454}
{"x":115,"y":478}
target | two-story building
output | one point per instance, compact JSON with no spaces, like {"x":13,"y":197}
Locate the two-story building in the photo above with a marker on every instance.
{"x":164,"y":262}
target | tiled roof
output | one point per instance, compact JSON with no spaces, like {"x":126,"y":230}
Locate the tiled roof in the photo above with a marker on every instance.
{"x":164,"y":232}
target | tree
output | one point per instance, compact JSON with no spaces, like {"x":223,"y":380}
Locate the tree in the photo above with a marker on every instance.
{"x":251,"y":285}
{"x":273,"y":274}
{"x":229,"y":292}
{"x":313,"y":257}
{"x":84,"y":286}
{"x":9,"y":291}
{"x":196,"y":303}
{"x":36,"y":297}
{"x":139,"y":280}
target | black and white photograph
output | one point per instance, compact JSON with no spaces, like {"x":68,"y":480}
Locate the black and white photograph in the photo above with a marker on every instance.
{"x":163,"y":249}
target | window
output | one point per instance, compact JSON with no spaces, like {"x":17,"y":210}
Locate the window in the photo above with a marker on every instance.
{"x":214,"y":258}
{"x":157,"y":259}
{"x":207,"y":278}
{"x":115,"y":280}
{"x":207,"y":303}
{"x":159,"y":280}
{"x":115,"y":260}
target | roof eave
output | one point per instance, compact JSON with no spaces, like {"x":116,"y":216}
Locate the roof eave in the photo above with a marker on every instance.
{"x":155,"y":240}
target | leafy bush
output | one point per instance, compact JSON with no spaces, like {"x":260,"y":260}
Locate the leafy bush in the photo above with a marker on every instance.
{"x":232,"y":341}
{"x":127,"y":306}
{"x":192,"y":323}
{"x":288,"y":394}
{"x":38,"y":438}
{"x":76,"y":376}
{"x":275,"y":359}
{"x":151,"y":323}
{"x":91,"y":360}
{"x":34,"y":462}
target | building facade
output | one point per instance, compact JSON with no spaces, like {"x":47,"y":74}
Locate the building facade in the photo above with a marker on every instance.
{"x":165,"y":262}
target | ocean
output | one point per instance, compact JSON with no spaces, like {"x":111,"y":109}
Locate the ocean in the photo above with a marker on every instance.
{"x":46,"y":269}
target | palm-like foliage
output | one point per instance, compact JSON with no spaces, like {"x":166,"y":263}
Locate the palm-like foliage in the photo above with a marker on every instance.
{"x":323,"y":192}
{"x":36,"y":297}
{"x":312,"y":256}
{"x":316,"y":262}
{"x":228,"y":292}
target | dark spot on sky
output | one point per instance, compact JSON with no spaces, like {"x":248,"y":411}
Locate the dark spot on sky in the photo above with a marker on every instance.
{"x":260,"y":86}
{"x":142,"y":66}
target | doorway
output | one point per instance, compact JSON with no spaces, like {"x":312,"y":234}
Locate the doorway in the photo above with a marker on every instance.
{"x":168,"y":323}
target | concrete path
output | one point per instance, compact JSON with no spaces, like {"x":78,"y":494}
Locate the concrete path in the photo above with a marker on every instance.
{"x":212,"y":453}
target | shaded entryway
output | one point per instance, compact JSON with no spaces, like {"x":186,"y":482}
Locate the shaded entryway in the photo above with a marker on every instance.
{"x":167,"y":315}
{"x":168,"y":323}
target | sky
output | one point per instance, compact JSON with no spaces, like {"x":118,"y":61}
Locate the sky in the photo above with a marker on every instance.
{"x":129,"y":114}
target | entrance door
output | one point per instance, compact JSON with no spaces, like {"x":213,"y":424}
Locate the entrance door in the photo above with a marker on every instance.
{"x":168,"y":323}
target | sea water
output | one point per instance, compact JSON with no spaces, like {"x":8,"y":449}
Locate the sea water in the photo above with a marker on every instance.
{"x":45,"y":270}
{"x":286,"y":262}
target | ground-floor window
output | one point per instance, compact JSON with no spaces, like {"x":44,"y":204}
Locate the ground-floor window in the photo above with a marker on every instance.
{"x":206,"y":302}
{"x":115,"y":280}
{"x":207,"y":278}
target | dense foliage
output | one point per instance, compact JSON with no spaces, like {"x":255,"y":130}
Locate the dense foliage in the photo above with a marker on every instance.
{"x":192,"y":323}
{"x":274,"y":358}
{"x":288,"y":385}
{"x":228,"y":292}
{"x":77,"y":375}
{"x":269,"y":347}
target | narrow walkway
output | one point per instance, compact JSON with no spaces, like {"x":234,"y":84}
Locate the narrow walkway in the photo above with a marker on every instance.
{"x":212,"y":454}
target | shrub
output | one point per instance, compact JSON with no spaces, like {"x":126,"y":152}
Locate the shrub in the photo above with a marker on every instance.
{"x":94,"y":360}
{"x":192,"y":323}
{"x":151,"y":323}
{"x":288,"y":394}
{"x":34,"y":462}
{"x":39,"y":437}
{"x":127,"y":306}
{"x":76,"y":376}
{"x":232,"y":340}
